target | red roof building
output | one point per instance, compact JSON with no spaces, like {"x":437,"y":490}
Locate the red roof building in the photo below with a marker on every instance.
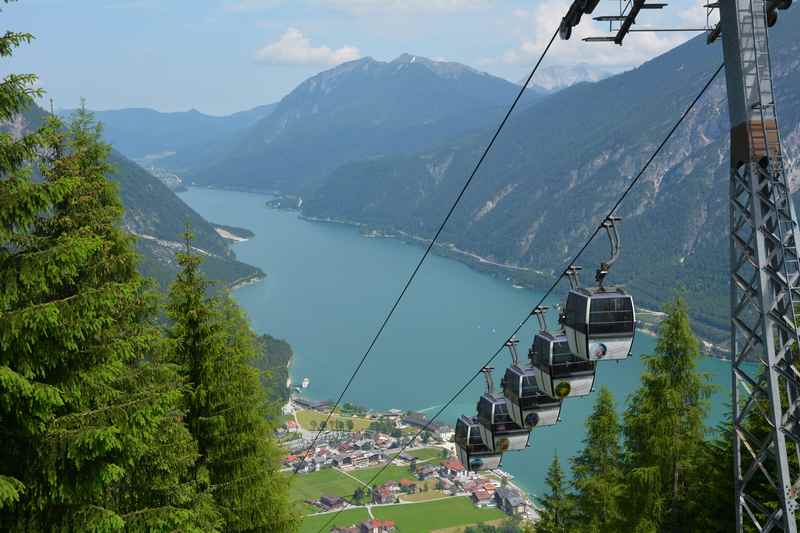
{"x":377,"y":526}
{"x":383,"y":495}
{"x":453,"y":464}
{"x":481,"y":498}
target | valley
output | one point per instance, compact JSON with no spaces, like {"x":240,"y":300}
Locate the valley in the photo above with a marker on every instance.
{"x":337,"y":278}
{"x":541,"y":191}
{"x":266,"y":268}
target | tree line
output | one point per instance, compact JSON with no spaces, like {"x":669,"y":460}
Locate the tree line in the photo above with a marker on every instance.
{"x":120,"y":409}
{"x":656,"y":468}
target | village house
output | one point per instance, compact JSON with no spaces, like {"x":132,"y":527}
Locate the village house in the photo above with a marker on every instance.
{"x":408,"y":486}
{"x":345,"y":447}
{"x":360,"y":460}
{"x":510,"y":501}
{"x":311,"y":404}
{"x":441,"y":431}
{"x":477,"y":484}
{"x":331,"y":502}
{"x":444,"y":432}
{"x":363,"y":444}
{"x":383,"y":495}
{"x":382,"y":440}
{"x":490,"y":485}
{"x":343,"y":461}
{"x":375,"y":457}
{"x":378,"y":526}
{"x":481,"y":498}
{"x":425,"y":471}
{"x":453,"y":469}
{"x":306,"y":467}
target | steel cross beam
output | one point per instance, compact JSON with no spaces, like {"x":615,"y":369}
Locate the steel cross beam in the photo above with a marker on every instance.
{"x":765,"y":282}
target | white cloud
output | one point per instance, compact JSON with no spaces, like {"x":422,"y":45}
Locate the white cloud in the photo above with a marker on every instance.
{"x":294,"y":48}
{"x":410,"y":7}
{"x":542,"y":20}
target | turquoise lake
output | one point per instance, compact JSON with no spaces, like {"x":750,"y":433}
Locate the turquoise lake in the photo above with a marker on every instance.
{"x":328,"y":288}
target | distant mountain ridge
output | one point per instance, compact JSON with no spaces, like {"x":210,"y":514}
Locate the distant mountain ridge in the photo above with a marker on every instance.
{"x":359,"y":109}
{"x":142,"y":133}
{"x":562,"y":162}
{"x":557,"y":77}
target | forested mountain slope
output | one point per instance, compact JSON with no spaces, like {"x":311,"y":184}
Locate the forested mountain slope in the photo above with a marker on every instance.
{"x":158,"y":218}
{"x":360,"y":109}
{"x":560,"y":165}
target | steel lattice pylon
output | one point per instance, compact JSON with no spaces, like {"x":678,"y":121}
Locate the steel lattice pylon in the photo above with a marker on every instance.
{"x":765,"y":281}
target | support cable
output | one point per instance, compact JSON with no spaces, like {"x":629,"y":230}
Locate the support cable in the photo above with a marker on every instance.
{"x":425,"y":255}
{"x":549,"y":291}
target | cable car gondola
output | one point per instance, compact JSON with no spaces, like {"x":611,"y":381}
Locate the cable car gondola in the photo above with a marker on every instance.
{"x":471,"y":450}
{"x":600,"y":322}
{"x":559,"y":373}
{"x":498,"y":430}
{"x":528,"y":406}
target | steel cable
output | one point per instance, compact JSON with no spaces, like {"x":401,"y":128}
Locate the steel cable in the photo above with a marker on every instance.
{"x":549,"y":291}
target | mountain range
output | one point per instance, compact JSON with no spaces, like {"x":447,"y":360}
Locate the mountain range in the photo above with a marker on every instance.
{"x":562,"y":162}
{"x":556,"y":77}
{"x":388,"y":145}
{"x":150,"y":135}
{"x":358,"y":110}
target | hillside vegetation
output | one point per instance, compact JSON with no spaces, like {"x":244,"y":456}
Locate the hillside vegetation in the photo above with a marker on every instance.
{"x":156,"y":216}
{"x":560,"y":165}
{"x":361,"y":109}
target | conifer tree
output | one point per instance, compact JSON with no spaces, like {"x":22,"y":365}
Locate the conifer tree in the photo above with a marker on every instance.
{"x":83,"y":401}
{"x":20,"y":204}
{"x":711,"y":492}
{"x":597,"y":469}
{"x":664,"y":428}
{"x":557,"y":506}
{"x":227,"y":408}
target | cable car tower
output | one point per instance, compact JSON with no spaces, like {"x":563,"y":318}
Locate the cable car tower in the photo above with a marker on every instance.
{"x":764,"y":260}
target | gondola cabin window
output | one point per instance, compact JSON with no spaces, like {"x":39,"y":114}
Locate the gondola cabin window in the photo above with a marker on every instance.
{"x":611,"y":316}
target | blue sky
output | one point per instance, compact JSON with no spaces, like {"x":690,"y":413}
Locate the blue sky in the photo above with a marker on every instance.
{"x":222,"y":56}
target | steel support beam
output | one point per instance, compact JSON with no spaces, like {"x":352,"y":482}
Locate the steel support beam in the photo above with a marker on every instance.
{"x":765,"y":269}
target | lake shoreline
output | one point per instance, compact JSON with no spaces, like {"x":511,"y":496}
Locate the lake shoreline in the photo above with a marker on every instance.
{"x":473,"y":260}
{"x":248,"y":280}
{"x":485,"y":265}
{"x":327,"y":287}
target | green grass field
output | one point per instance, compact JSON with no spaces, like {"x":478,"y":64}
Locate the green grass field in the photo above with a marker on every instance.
{"x":392,"y":473}
{"x":431,"y":494}
{"x":426,"y":517}
{"x":312,"y":419}
{"x":312,"y":524}
{"x":432,"y":455}
{"x":327,"y":482}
